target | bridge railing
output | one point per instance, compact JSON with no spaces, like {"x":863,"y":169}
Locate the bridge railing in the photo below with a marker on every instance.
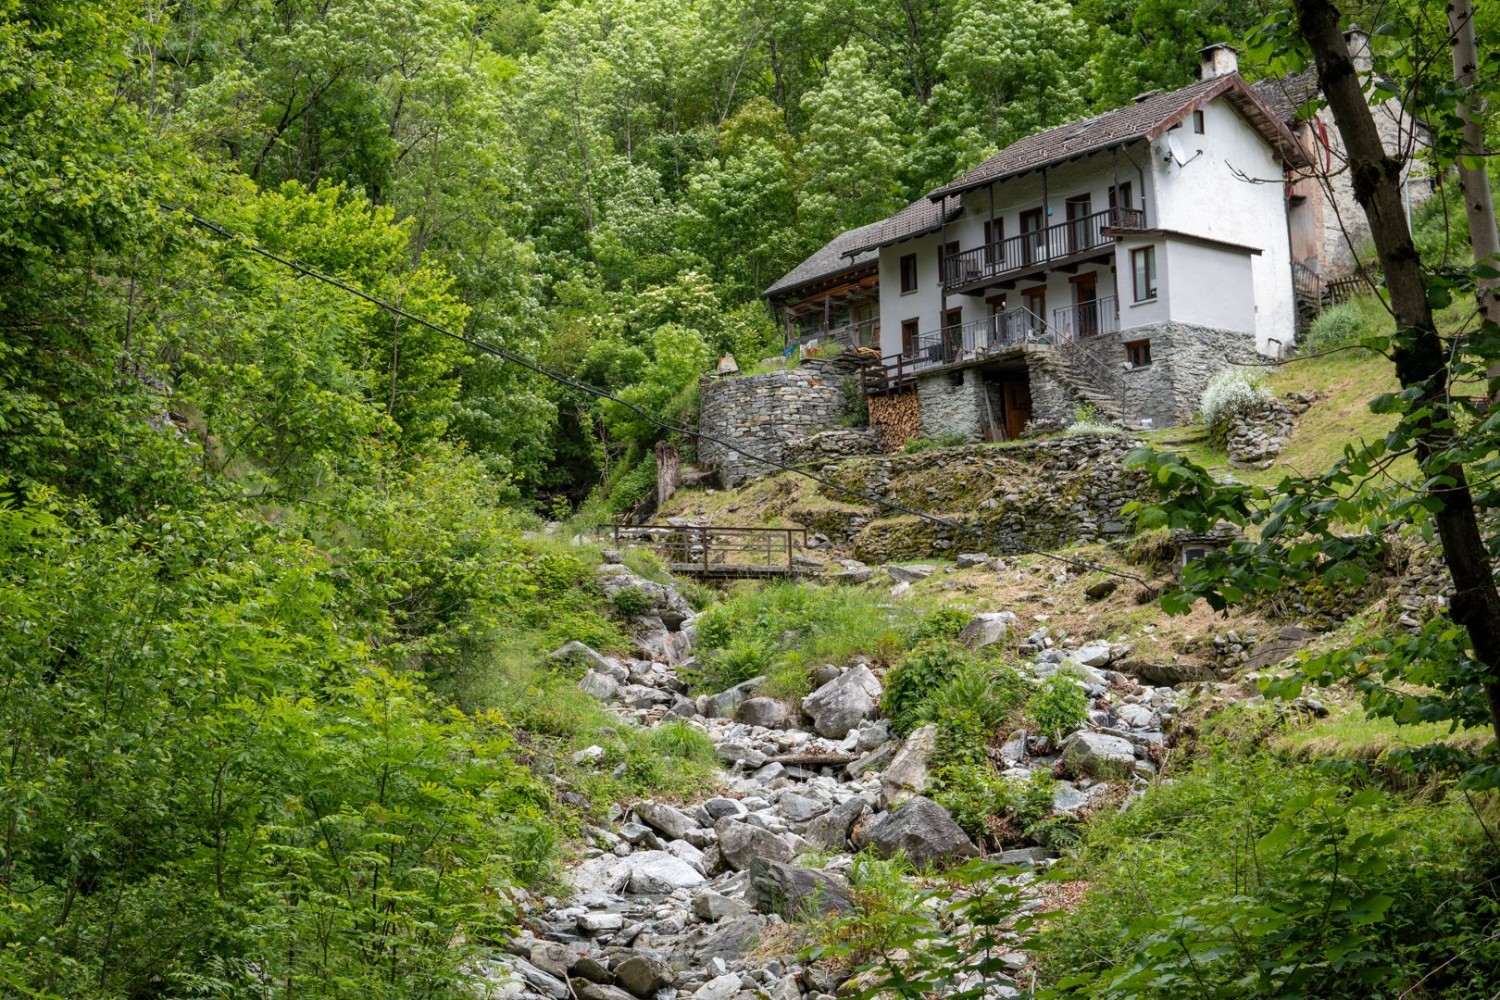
{"x":710,"y":550}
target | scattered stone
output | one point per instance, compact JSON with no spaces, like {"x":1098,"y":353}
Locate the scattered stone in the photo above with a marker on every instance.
{"x":660,"y":872}
{"x":1096,"y":755}
{"x":1099,"y":591}
{"x":907,"y":775}
{"x":925,"y":831}
{"x":843,"y":703}
{"x":600,"y":686}
{"x":987,"y":629}
{"x":642,"y":976}
{"x":794,"y":893}
{"x":600,"y":923}
{"x":768,"y":713}
{"x":908,"y":574}
{"x":969,"y":560}
{"x":712,"y":907}
{"x":741,"y":843}
{"x":718,"y":988}
{"x":588,"y":990}
{"x":670,"y":821}
{"x":830,"y":831}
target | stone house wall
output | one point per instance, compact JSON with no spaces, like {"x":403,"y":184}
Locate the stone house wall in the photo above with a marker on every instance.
{"x":769,"y":414}
{"x":950,"y":403}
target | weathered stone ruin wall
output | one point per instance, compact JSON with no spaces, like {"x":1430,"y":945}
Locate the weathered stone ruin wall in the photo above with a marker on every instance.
{"x":950,"y":403}
{"x":1044,"y":493}
{"x":769,"y":414}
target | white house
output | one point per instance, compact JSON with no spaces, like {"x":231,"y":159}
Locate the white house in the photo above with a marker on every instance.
{"x":1118,"y":261}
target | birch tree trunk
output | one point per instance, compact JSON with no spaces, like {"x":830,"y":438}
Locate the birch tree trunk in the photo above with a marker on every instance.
{"x":1418,"y":352}
{"x":1474,"y":181}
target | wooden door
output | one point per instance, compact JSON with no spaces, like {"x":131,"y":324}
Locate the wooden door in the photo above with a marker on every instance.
{"x":1017,"y":396}
{"x":1086,"y":304}
{"x":1035,"y":301}
{"x":1032,"y":248}
{"x":1080,"y":208}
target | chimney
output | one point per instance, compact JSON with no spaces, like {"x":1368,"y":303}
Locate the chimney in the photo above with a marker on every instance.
{"x":1219,"y":59}
{"x":1358,"y":41}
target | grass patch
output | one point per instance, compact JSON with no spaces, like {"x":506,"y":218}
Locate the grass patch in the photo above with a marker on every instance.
{"x":1349,"y":734}
{"x":783,"y":630}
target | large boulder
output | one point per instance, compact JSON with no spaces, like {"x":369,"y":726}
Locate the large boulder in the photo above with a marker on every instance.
{"x":843,"y":703}
{"x":793,"y":892}
{"x":734,"y":940}
{"x":741,"y":843}
{"x":659,"y":872}
{"x":925,"y":831}
{"x":670,"y":821}
{"x":908,"y":772}
{"x":723,"y":704}
{"x":642,"y":975}
{"x":601,"y":686}
{"x":987,"y":629}
{"x":1096,"y":755}
{"x":711,"y":907}
{"x":831,"y":830}
{"x":768,"y":713}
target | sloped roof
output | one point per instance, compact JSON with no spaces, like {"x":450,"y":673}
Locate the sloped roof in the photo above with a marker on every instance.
{"x":920,"y":217}
{"x":1148,"y":118}
{"x":829,"y":260}
{"x":1285,"y":94}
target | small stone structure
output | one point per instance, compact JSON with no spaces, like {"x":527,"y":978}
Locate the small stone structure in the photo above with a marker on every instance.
{"x":834,"y":445}
{"x":1256,"y":436}
{"x":771,"y":413}
{"x":951,"y":403}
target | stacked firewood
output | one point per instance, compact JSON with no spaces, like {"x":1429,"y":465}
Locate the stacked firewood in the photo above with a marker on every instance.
{"x":895,"y":418}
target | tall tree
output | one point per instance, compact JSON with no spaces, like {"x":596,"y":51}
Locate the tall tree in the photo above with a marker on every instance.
{"x":1479,"y":202}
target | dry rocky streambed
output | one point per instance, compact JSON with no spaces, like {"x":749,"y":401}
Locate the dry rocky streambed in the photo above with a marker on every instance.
{"x":679,"y":901}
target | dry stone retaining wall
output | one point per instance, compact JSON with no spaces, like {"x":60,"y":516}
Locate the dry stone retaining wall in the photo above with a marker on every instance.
{"x":770,"y":414}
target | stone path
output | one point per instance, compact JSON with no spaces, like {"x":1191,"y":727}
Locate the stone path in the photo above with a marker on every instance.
{"x":674,"y":901}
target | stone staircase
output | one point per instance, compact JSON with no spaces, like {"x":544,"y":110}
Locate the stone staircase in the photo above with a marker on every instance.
{"x":1085,"y":376}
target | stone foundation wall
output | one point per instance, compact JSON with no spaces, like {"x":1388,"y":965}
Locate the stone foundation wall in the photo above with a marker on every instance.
{"x":1183,"y":360}
{"x":950,"y":403}
{"x":769,"y":414}
{"x":1053,"y":401}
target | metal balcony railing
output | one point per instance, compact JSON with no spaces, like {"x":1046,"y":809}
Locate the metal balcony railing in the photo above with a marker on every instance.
{"x":1087,"y":319}
{"x":1054,"y":244}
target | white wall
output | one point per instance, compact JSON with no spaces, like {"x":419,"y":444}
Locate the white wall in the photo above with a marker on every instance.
{"x":1227,"y":185}
{"x":1215,"y":288}
{"x":1157,"y":310}
{"x":925,"y":303}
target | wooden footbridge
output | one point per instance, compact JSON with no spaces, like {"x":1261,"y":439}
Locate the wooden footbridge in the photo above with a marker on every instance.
{"x":720,"y":553}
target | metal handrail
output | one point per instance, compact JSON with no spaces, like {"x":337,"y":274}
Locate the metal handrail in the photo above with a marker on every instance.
{"x":1038,"y":247}
{"x":1087,"y":319}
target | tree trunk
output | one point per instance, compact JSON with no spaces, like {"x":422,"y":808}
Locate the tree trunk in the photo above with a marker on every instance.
{"x":1419,"y":354}
{"x":1474,"y":181}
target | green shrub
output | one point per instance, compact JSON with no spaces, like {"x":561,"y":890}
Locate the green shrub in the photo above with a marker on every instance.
{"x":1059,"y":707}
{"x":1335,"y":327}
{"x":951,"y":439}
{"x":743,"y":657}
{"x":990,"y":692}
{"x":1231,"y":392}
{"x":633,"y":601}
{"x":943,"y":624}
{"x":918,"y":445}
{"x":912,"y":681}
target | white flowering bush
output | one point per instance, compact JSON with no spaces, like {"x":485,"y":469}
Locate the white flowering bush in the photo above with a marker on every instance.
{"x":1232,"y":391}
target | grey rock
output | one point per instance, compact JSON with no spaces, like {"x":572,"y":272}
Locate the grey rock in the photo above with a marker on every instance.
{"x":740,"y":843}
{"x":723,"y":704}
{"x":577,"y":652}
{"x":713,"y":907}
{"x":907,"y":774}
{"x":551,"y":957}
{"x":740,"y":753}
{"x":872,"y":736}
{"x":768,"y":713}
{"x":831,"y":830}
{"x":1013,"y":751}
{"x":588,"y":990}
{"x":599,"y":686}
{"x":660,"y":872}
{"x":1098,"y":756}
{"x":794,"y":893}
{"x":843,"y":703}
{"x":719,"y":988}
{"x":1135,"y":716}
{"x":925,"y":831}
{"x":1093,"y":654}
{"x":593,"y":970}
{"x":642,"y":975}
{"x":672,"y":822}
{"x":800,"y":808}
{"x":987,"y":629}
{"x":908,"y":574}
{"x":600,"y":923}
{"x":969,"y":560}
{"x":719,"y":807}
{"x":1024,"y":857}
{"x":734,"y":940}
{"x":872,"y":761}
{"x":543,"y":982}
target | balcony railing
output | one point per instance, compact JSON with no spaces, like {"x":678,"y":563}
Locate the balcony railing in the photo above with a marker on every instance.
{"x":1087,"y":319}
{"x":956,"y":344}
{"x":1029,"y":251}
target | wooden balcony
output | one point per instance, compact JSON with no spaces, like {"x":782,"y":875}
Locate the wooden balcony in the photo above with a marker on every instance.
{"x":1057,"y":247}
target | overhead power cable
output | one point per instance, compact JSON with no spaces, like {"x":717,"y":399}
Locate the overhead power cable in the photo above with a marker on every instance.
{"x":881,"y":502}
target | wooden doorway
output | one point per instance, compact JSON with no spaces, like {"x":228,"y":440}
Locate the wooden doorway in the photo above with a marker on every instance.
{"x":953,"y":333}
{"x":1080,"y":207}
{"x":1032,"y":247}
{"x":1085,"y":304}
{"x":1015,"y":405}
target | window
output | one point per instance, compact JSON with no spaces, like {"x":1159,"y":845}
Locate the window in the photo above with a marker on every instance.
{"x":1138,"y":352}
{"x":908,"y":335}
{"x":1143,"y":265}
{"x":908,"y":273}
{"x":1198,"y":122}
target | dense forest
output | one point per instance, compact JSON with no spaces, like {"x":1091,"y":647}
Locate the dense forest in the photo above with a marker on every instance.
{"x":260,"y":540}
